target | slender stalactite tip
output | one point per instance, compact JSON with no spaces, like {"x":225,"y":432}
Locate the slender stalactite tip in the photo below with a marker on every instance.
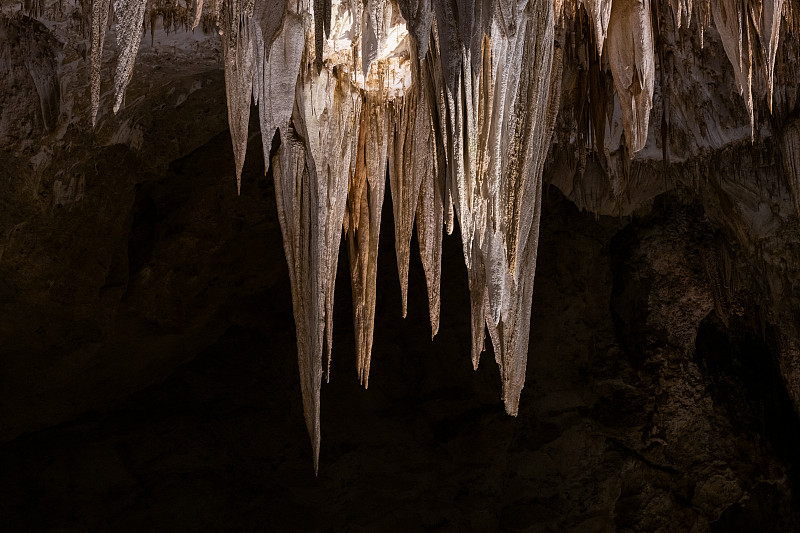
{"x":462,"y":113}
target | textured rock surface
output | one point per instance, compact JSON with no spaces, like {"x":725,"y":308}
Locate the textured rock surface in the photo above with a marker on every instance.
{"x":471,"y":93}
{"x":68,"y":218}
{"x":664,"y":370}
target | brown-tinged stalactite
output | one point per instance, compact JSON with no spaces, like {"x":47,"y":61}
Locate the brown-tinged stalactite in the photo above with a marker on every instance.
{"x":463,"y":105}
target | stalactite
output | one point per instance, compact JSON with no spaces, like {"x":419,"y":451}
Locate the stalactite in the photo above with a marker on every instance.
{"x":340,"y":157}
{"x":660,"y":29}
{"x":407,"y":156}
{"x":311,"y":206}
{"x":419,"y":16}
{"x":681,"y":9}
{"x":99,"y":23}
{"x":298,"y":220}
{"x":130,"y":17}
{"x":278,"y":51}
{"x":456,"y":101}
{"x":769,"y":32}
{"x":499,"y":140}
{"x":539,"y":92}
{"x":430,"y":206}
{"x":237,"y":32}
{"x":630,"y":56}
{"x":599,"y":14}
{"x":439,"y":114}
{"x":591,"y":95}
{"x":198,"y":13}
{"x":730,"y":18}
{"x":703,"y":17}
{"x":332,"y":111}
{"x":363,"y":226}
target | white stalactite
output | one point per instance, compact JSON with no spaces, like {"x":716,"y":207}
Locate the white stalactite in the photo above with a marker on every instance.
{"x":130,"y":14}
{"x":277,"y":62}
{"x":769,"y":33}
{"x":730,"y":18}
{"x":430,"y":206}
{"x":630,"y":56}
{"x":511,"y":234}
{"x":406,"y":172}
{"x":457,"y":102}
{"x":238,"y":34}
{"x":311,"y":206}
{"x":297,"y":217}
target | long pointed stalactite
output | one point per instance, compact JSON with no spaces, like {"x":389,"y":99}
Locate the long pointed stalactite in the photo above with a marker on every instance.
{"x":630,"y":55}
{"x":456,"y":102}
{"x":363,"y":226}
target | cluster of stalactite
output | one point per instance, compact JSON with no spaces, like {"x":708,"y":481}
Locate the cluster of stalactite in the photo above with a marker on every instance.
{"x":457,"y":101}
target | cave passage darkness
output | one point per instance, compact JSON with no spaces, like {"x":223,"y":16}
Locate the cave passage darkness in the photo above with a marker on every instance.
{"x":158,"y":374}
{"x":606,"y":439}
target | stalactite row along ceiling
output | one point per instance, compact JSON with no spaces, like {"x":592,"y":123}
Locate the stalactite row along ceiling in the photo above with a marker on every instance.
{"x":458,"y":100}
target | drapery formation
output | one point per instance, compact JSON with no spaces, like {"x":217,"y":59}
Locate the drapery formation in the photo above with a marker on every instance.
{"x":456,"y":100}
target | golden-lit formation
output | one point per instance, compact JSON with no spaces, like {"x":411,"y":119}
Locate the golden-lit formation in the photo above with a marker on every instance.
{"x":458,"y":100}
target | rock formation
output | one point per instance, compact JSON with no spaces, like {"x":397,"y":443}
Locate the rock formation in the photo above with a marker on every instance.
{"x":464,"y":105}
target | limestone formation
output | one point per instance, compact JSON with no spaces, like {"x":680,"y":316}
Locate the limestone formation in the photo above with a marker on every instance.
{"x":457,"y":103}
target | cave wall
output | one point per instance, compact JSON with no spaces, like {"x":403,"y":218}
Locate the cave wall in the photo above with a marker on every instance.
{"x":663,"y":294}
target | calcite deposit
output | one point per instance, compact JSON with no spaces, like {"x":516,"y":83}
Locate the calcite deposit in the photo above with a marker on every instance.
{"x":463,"y":104}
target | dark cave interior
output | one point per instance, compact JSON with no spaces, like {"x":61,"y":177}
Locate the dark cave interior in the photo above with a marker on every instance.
{"x":157,"y":374}
{"x":619,"y":428}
